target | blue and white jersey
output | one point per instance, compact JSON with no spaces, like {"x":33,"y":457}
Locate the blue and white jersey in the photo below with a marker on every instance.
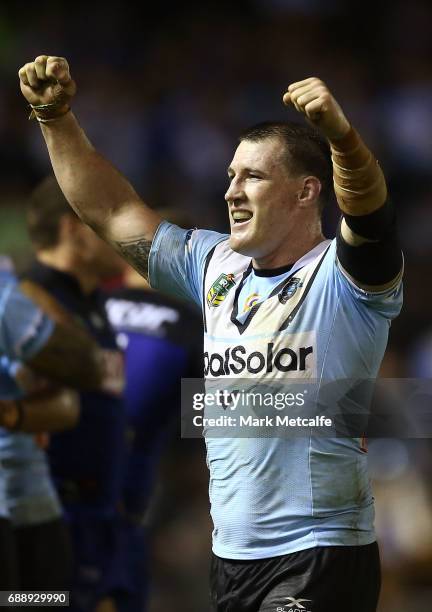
{"x":273,"y":496}
{"x":27,"y":495}
{"x":24,"y":328}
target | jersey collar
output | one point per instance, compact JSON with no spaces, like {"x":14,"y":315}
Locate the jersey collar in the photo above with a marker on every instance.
{"x":300,"y":263}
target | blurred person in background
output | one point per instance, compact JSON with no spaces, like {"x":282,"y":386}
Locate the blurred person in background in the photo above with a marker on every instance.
{"x":293,"y":522}
{"x":34,"y":542}
{"x":162,"y":340}
{"x":87,"y":462}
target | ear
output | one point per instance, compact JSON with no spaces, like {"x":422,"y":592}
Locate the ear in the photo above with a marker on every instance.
{"x":310,"y":192}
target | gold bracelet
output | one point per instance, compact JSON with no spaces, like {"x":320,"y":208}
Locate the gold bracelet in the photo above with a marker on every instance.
{"x":47,"y":112}
{"x":53,"y":118}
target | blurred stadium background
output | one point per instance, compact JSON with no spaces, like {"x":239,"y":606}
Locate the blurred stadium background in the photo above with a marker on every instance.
{"x":163,"y":93}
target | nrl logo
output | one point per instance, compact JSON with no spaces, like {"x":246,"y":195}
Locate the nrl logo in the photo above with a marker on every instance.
{"x":289,"y":289}
{"x":218,"y":291}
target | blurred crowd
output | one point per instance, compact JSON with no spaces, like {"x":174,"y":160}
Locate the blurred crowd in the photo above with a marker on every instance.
{"x":163,"y":93}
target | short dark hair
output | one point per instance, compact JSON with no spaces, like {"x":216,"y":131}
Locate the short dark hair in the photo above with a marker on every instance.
{"x":307,"y":151}
{"x":45,"y":208}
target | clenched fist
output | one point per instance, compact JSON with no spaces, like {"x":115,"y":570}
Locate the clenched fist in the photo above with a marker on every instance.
{"x":46,"y":84}
{"x":313,"y":98}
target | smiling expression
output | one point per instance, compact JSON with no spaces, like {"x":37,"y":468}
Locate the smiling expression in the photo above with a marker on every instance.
{"x":262,"y":199}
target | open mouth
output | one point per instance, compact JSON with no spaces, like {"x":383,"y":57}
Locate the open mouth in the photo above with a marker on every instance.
{"x":241,"y":216}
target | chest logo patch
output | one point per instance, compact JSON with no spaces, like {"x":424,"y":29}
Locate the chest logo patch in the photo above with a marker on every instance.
{"x":219,"y":290}
{"x":289,"y":289}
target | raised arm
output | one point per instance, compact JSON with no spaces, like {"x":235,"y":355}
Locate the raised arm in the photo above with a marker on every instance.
{"x":69,"y":356}
{"x":54,"y":410}
{"x":368,"y":248}
{"x":97,"y":191}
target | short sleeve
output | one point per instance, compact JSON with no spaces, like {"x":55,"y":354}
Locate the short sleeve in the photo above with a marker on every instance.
{"x":387,"y":303}
{"x":24,"y":328}
{"x":177,"y":259}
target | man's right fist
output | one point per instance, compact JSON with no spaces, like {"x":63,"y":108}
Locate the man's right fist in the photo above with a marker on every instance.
{"x":46,"y":82}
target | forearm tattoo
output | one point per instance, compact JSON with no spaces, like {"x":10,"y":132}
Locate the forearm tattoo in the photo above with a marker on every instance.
{"x":136,"y":252}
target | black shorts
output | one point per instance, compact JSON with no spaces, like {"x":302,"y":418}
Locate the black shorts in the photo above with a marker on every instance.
{"x":44,"y":556}
{"x":321,"y":579}
{"x":8,"y":560}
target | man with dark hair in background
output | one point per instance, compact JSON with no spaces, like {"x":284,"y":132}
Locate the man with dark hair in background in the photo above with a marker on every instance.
{"x":293,"y":518}
{"x":162,"y":340}
{"x":87,"y":462}
{"x":34,"y":544}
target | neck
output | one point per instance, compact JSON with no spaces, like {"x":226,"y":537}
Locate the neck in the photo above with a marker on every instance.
{"x":66,"y":262}
{"x":293,"y":249}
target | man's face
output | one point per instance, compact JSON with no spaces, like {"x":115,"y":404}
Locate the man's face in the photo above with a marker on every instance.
{"x":95,"y":254}
{"x":262,"y":198}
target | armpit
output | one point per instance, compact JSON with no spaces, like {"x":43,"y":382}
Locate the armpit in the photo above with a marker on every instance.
{"x":136,"y":252}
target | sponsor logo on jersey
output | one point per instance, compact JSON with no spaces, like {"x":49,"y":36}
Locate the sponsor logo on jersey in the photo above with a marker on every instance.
{"x":219,"y":290}
{"x":139,"y":316}
{"x":237,"y":360}
{"x":289,"y":289}
{"x":296,"y":605}
{"x":251,"y":300}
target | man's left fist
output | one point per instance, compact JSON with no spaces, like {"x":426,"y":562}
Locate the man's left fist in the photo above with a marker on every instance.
{"x":313,"y":99}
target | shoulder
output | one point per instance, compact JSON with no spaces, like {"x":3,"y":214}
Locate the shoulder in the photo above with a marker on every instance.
{"x":386,"y":302}
{"x":221,"y":254}
{"x":41,"y":275}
